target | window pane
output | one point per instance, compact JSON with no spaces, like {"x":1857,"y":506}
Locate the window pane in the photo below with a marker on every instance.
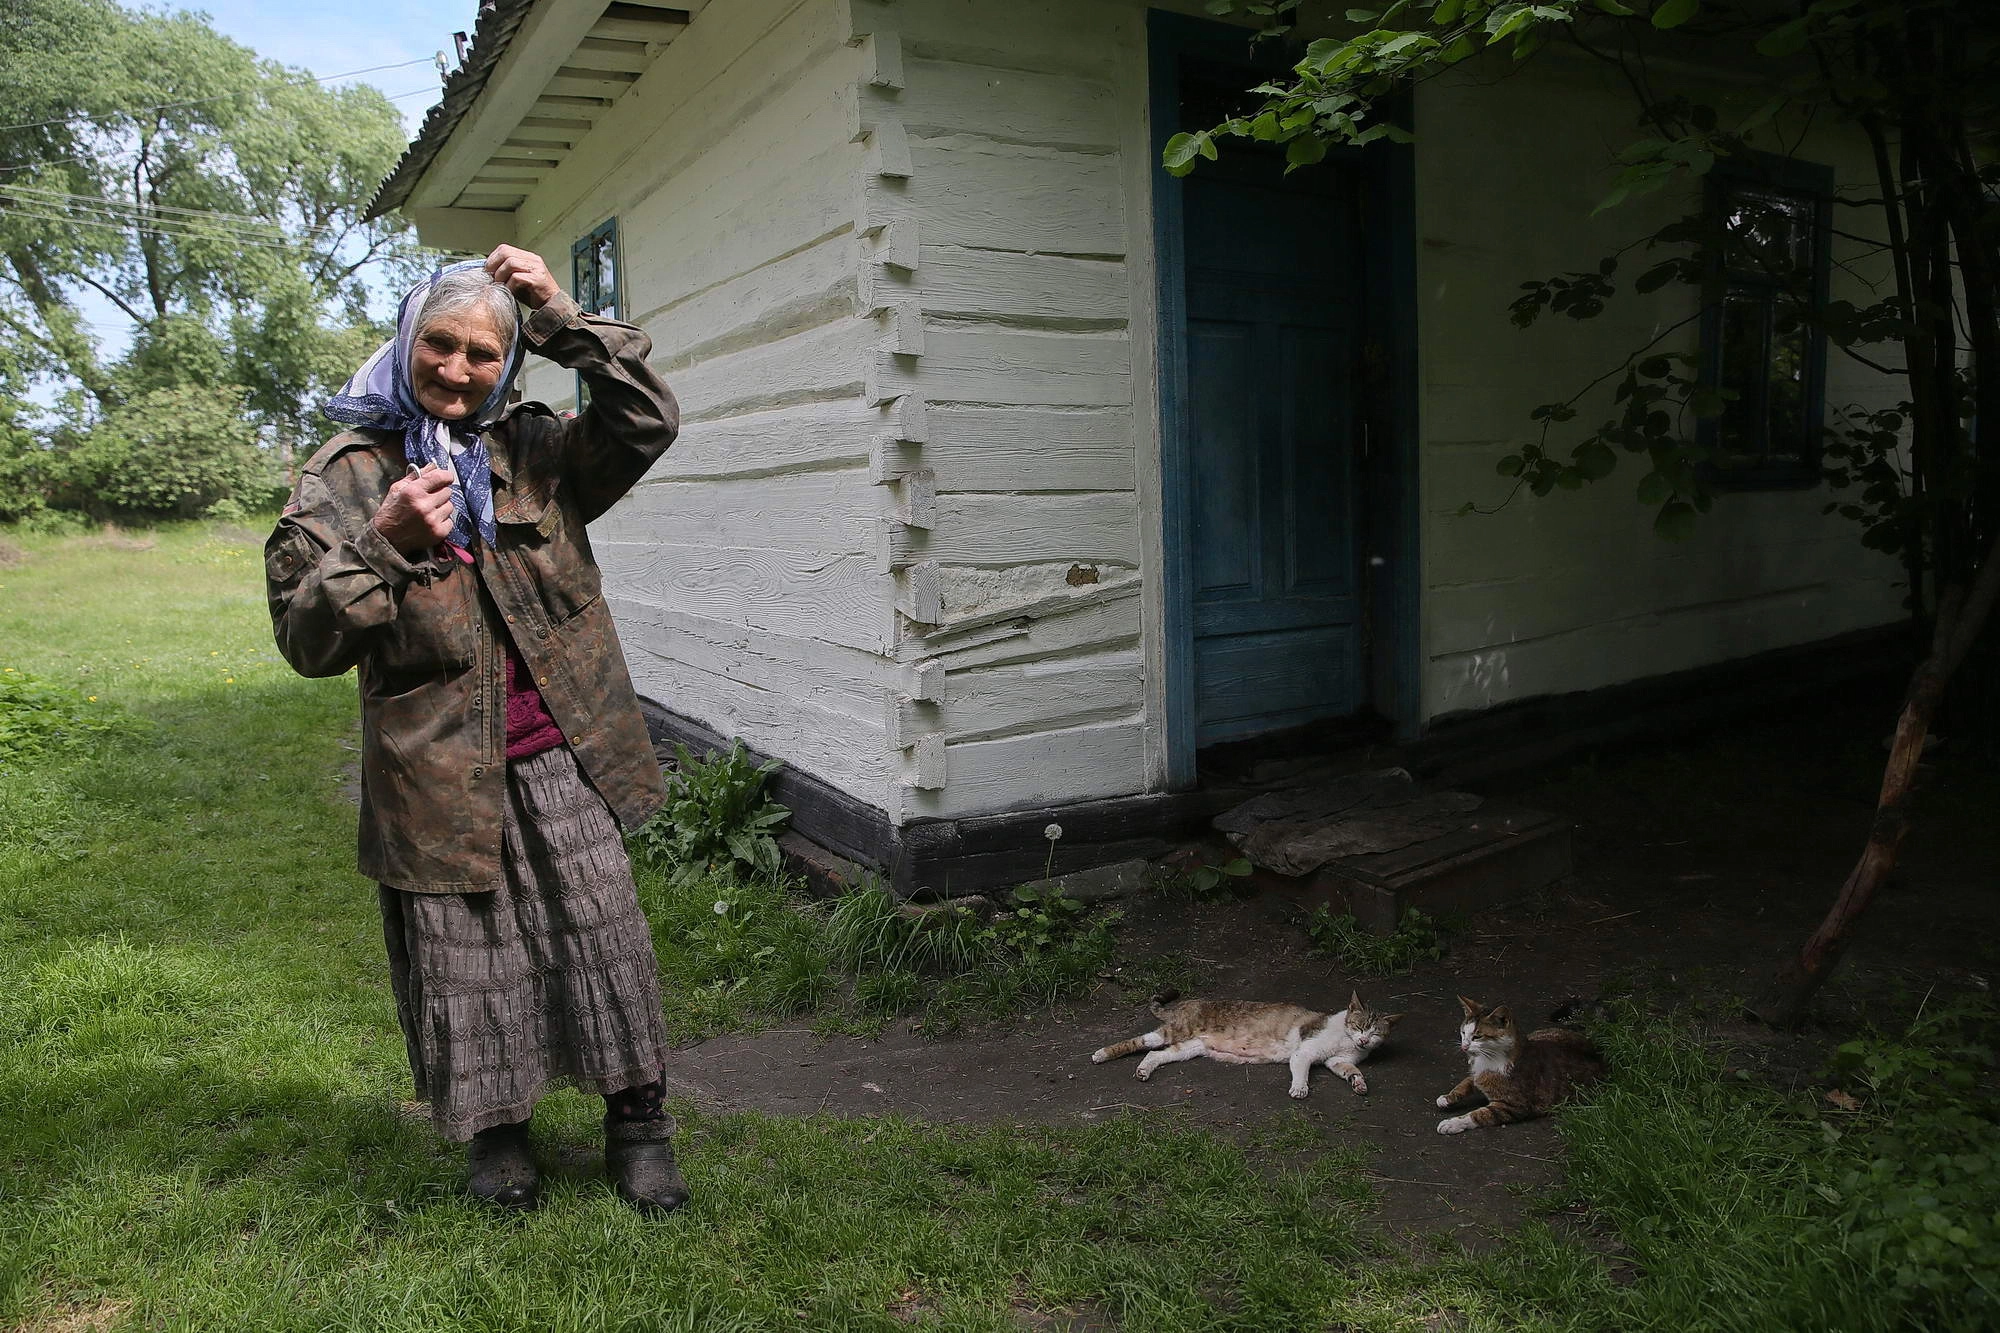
{"x":1745,"y":320}
{"x":607,"y":276}
{"x":1785,"y":392}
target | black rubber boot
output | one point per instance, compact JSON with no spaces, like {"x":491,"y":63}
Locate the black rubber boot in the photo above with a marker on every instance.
{"x":501,"y":1171}
{"x":640,"y":1157}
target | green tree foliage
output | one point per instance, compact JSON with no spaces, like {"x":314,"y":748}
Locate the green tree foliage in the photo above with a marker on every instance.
{"x":213,"y":197}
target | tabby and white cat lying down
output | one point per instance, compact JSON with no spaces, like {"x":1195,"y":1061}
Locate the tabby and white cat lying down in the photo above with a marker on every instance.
{"x":1250,"y":1032}
{"x":1520,"y":1079}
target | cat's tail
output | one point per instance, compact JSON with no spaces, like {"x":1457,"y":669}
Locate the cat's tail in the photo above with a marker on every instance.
{"x":1162,"y":1000}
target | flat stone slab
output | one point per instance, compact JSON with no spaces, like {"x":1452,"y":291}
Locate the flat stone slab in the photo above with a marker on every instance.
{"x":1120,"y":879}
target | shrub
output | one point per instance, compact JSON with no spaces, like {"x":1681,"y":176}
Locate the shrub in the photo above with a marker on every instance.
{"x":177,"y":452}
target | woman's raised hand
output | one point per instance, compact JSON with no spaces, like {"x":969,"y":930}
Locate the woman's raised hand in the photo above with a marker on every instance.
{"x":416,"y":513}
{"x":524,"y":273}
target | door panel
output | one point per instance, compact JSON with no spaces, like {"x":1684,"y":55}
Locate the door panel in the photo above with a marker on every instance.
{"x":1271,"y":332}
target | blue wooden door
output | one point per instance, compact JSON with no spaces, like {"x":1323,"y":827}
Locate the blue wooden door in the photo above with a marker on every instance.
{"x":1272,"y":332}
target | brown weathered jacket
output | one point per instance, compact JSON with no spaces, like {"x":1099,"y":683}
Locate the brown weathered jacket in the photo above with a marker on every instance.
{"x":426,"y":635}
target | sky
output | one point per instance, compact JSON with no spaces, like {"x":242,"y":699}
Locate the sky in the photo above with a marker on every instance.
{"x":322,"y":37}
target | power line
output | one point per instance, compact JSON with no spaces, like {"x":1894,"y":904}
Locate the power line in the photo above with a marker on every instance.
{"x":90,"y":213}
{"x":199,"y":101}
{"x":144,"y":229}
{"x":36,"y":194}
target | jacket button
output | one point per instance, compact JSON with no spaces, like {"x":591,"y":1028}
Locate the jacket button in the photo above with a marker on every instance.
{"x":479,"y":771}
{"x":510,"y":620}
{"x":576,"y":740}
{"x":545,"y":680}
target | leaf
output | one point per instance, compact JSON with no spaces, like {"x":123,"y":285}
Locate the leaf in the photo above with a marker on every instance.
{"x":1673,"y":13}
{"x":1181,"y":151}
{"x":1510,"y":466}
{"x":1363,"y":15}
{"x":1654,"y":489}
{"x":1594,"y":460}
{"x":1844,"y":1100}
{"x":1675,"y":521}
{"x":1613,"y":7}
{"x":1784,"y":40}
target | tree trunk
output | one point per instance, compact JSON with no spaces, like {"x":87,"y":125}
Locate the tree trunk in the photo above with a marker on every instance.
{"x":1960,"y":618}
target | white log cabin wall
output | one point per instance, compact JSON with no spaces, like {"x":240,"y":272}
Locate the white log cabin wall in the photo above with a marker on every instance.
{"x":1574,"y":591}
{"x":744,"y":570}
{"x":995,"y":205}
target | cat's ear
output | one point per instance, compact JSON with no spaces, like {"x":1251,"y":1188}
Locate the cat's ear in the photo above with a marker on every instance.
{"x":1354,"y":1005}
{"x":1471,"y":1007}
{"x":1500,"y":1015}
{"x":1388,"y":1021}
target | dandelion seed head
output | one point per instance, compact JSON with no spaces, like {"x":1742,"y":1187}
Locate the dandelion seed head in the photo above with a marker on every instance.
{"x":721,"y":908}
{"x":1052,"y":832}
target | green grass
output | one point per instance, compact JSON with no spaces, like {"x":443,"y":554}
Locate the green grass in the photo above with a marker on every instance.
{"x":203,"y":1125}
{"x":1362,"y":953}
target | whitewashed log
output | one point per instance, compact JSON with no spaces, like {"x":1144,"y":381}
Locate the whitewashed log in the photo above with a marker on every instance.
{"x":984,"y":529}
{"x":925,"y":680}
{"x":851,"y":753}
{"x":1061,"y":36}
{"x":837,"y":600}
{"x":851,"y":680}
{"x":919,"y":595}
{"x":1024,"y":289}
{"x":831,"y":513}
{"x":948,"y":96}
{"x":928,"y":766}
{"x":1047,"y":768}
{"x":895,"y":245}
{"x":804,"y":289}
{"x":992,"y":702}
{"x":1002,"y":197}
{"x":889,"y":151}
{"x":1102,"y":622}
{"x":1031,"y":449}
{"x":828,"y":362}
{"x":882,"y":59}
{"x":839,"y":432}
{"x":983,"y":366}
{"x":916,"y":498}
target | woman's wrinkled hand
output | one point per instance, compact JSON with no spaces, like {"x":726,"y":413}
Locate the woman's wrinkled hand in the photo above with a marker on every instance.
{"x":416,"y":513}
{"x":524,"y":273}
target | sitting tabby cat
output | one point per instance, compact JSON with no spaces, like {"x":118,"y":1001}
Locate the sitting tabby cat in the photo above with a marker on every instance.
{"x":1519,"y":1079}
{"x":1249,"y":1032}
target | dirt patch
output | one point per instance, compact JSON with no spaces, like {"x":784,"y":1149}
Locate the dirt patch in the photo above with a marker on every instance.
{"x":10,"y":554}
{"x":1696,"y":866}
{"x":111,"y":537}
{"x":78,"y":1317}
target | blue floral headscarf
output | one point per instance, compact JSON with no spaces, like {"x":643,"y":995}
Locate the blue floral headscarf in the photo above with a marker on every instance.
{"x":380,"y":395}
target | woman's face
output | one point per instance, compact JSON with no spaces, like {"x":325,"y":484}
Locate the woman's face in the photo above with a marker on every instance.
{"x":457,"y":361}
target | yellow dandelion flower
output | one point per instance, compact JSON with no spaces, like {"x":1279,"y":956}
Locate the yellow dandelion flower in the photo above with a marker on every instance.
{"x":229,"y":680}
{"x":93,"y":698}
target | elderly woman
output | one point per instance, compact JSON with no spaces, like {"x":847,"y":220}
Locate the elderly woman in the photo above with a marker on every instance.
{"x":439,"y":547}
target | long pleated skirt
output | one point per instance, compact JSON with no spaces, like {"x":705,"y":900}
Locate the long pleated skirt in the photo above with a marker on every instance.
{"x":548,"y":981}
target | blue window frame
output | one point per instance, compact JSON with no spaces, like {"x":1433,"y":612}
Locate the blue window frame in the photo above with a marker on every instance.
{"x":1768,"y":221}
{"x":593,"y":271}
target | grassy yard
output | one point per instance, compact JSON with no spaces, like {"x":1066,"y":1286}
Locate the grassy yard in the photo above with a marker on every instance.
{"x":203,"y":1125}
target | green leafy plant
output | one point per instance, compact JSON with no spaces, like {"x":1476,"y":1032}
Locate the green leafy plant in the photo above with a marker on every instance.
{"x":1208,"y":882}
{"x":1417,"y":938}
{"x":1037,"y":920}
{"x":37,"y":717}
{"x":718,"y":818}
{"x":1917,"y":1198}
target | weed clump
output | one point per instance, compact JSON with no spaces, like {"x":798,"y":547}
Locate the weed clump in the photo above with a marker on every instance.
{"x":1417,"y":939}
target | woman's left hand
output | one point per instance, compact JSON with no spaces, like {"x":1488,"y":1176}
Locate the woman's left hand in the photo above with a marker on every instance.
{"x":524,"y":273}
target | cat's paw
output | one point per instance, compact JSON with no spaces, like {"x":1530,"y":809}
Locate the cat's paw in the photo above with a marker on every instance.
{"x":1458,"y":1124}
{"x":1300,"y":1091}
{"x":1098,"y":1057}
{"x":1444,"y":1102}
{"x":1143,"y":1075}
{"x":1360,"y":1085}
